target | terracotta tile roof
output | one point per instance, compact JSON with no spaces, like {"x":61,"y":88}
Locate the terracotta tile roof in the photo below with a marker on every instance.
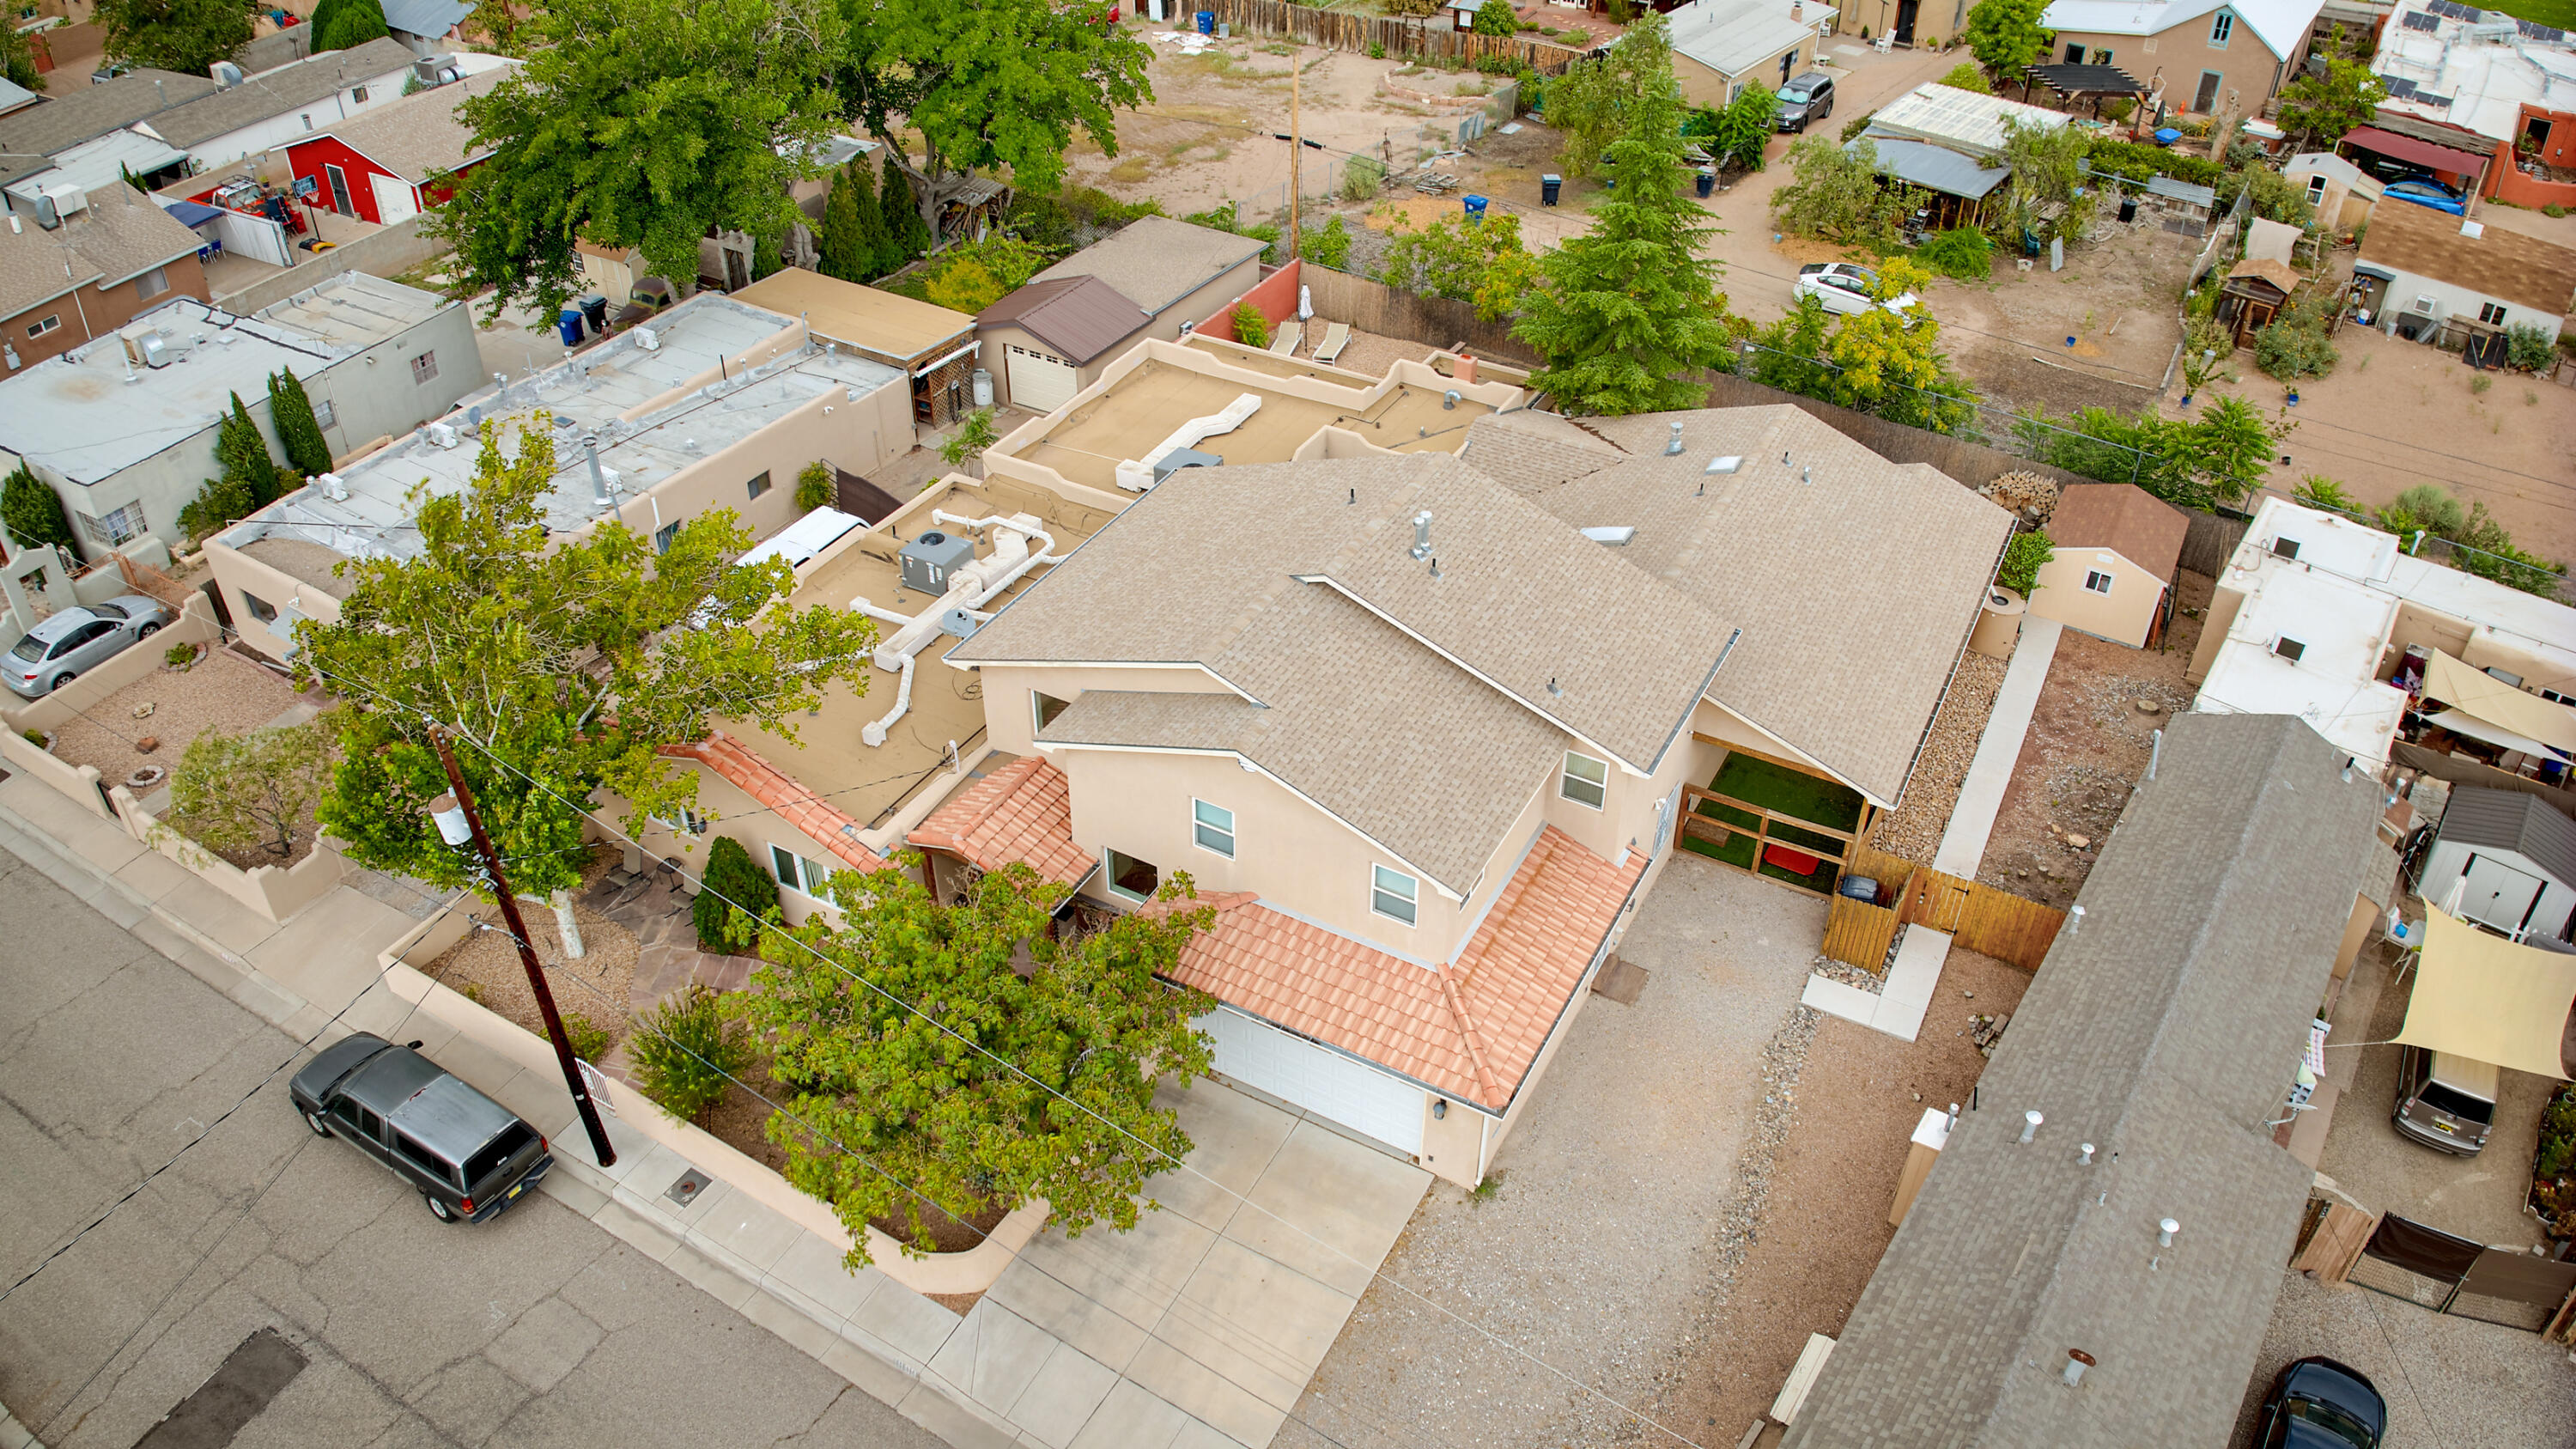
{"x":1471,"y":1030}
{"x":792,"y":802}
{"x":1022,"y":812}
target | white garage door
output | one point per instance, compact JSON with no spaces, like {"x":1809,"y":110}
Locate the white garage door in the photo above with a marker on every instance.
{"x":2498,"y":894}
{"x":1323,"y":1081}
{"x":1038,"y":382}
{"x":393,"y":199}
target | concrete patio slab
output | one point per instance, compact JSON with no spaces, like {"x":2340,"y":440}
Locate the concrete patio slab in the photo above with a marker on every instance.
{"x":1981,"y":795}
{"x":1083,"y":1323}
{"x":1256,"y":1322}
{"x":1329,"y":1207}
{"x":1131,"y":1418}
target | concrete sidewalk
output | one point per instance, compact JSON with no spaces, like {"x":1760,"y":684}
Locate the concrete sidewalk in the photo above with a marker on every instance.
{"x":1897,"y":1008}
{"x":1197,"y":1330}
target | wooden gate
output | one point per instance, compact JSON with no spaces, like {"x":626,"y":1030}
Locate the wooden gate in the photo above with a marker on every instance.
{"x":1858,"y":933}
{"x":1981,"y":918}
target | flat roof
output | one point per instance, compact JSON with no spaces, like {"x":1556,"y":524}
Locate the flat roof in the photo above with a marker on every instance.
{"x":2340,"y":624}
{"x":590,"y":395}
{"x":828,"y":758}
{"x":356,"y":310}
{"x":1733,"y":36}
{"x":2527,"y":622}
{"x":1138,"y":411}
{"x":859,"y":316}
{"x":78,"y":414}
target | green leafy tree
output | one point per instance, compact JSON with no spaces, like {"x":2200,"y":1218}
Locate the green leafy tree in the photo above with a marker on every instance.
{"x":2294,"y":344}
{"x":2024,"y":557}
{"x":1589,"y":104}
{"x":1495,"y":17}
{"x":844,"y":249}
{"x":1836,"y":195}
{"x":1967,"y":77}
{"x":2231,"y":448}
{"x":347,"y":24}
{"x":1788,"y":353}
{"x":973,"y":436}
{"x":985,"y":1061}
{"x":906,"y":234}
{"x":1888,"y":363}
{"x":500,"y":27}
{"x":687,"y":1052}
{"x":733,"y":893}
{"x":1962,"y":251}
{"x":639,"y":123}
{"x":18,"y":59}
{"x":997,"y":86}
{"x":1630,"y":314}
{"x":297,"y":429}
{"x":2006,"y":36}
{"x":2047,"y":195}
{"x":2320,"y":109}
{"x":1746,"y":126}
{"x":817,"y":486}
{"x":2270,"y":195}
{"x":1484,"y":263}
{"x":231,"y":792}
{"x":181,"y":35}
{"x":1328,"y":245}
{"x":555,"y":662}
{"x":33,"y":513}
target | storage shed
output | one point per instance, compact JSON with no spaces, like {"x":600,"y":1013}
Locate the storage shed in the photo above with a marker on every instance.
{"x":2119,"y":549}
{"x":2513,"y":858}
{"x":2256,"y":290}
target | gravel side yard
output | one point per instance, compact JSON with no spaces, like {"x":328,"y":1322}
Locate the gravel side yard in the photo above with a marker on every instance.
{"x":1597,"y":1250}
{"x":222,"y":692}
{"x":2088,"y":743}
{"x":485,"y":965}
{"x":1914,"y":831}
{"x":2448,"y":1381}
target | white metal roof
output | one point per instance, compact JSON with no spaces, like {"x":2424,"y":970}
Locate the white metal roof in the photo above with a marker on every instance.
{"x":1961,"y":120}
{"x":1732,"y":37}
{"x":2282,"y":25}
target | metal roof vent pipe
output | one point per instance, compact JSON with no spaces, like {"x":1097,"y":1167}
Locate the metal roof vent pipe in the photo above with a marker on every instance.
{"x":2165,"y":1230}
{"x":2077,"y":1361}
{"x":599,"y":494}
{"x":1449,"y":400}
{"x":2030,"y":1121}
{"x":2084,"y":1154}
{"x":1673,"y":445}
{"x":1421,"y":536}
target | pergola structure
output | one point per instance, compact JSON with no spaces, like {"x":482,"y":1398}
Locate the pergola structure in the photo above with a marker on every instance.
{"x":2074,"y":83}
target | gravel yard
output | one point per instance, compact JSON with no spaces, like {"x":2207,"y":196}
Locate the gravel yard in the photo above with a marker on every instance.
{"x":222,"y":692}
{"x":1619,"y":1208}
{"x":1914,"y":831}
{"x":485,"y":965}
{"x":2088,"y":743}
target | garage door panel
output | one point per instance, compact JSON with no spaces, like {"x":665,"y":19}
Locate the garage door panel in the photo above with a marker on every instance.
{"x":1319,"y":1079}
{"x":393,"y":199}
{"x":1038,"y":382}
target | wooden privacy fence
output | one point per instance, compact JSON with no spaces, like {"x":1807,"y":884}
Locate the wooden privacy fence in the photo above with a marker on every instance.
{"x":1378,"y":308}
{"x":1344,"y":30}
{"x":1981,"y":918}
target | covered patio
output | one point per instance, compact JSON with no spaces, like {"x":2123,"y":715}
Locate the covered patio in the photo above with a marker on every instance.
{"x":1959,"y":183}
{"x":1774,"y":818}
{"x":2465,"y":170}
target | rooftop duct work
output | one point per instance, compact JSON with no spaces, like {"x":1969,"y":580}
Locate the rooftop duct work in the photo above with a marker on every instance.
{"x":970,"y":584}
{"x":1137,"y":476}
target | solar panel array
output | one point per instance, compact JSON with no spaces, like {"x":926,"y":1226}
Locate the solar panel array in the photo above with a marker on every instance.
{"x":2540,"y":32}
{"x":2402,"y":89}
{"x":2424,"y":20}
{"x":2452,"y":10}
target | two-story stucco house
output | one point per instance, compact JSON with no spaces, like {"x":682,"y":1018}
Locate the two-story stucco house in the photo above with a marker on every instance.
{"x":2206,"y":54}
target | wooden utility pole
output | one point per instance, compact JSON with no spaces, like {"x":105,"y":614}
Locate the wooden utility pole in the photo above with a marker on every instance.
{"x":1296,"y":146}
{"x":599,"y":1144}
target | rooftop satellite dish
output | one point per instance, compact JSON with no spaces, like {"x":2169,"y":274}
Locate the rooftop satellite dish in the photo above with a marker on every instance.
{"x":474,"y":416}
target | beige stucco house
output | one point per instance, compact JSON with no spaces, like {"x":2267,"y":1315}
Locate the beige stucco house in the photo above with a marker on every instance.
{"x":1719,"y":45}
{"x":2342,"y":193}
{"x":2118,"y":549}
{"x":2204,"y":54}
{"x":1155,"y":278}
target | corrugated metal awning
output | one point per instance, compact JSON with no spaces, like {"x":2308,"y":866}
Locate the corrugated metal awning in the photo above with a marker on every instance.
{"x":1936,"y":167}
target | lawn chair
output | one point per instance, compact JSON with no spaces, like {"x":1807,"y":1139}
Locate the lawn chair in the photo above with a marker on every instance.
{"x":1285,"y":344}
{"x":1337,"y":335}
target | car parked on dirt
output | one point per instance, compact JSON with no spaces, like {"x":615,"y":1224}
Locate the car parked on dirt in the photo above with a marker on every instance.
{"x":469,"y":1156}
{"x":1808,"y":99}
{"x":2424,"y":192}
{"x":2317,"y":1403}
{"x":64,"y":646}
{"x":1845,"y":287}
{"x":2445,"y":1102}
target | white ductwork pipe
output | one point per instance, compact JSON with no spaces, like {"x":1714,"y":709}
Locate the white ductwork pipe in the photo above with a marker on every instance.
{"x":1136,"y":477}
{"x":970,"y":587}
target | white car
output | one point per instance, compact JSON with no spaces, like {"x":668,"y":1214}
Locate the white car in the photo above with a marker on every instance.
{"x":1845,"y":287}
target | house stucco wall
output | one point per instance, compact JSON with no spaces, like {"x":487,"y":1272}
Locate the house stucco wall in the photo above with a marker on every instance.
{"x":2181,"y":52}
{"x":2122,"y":616}
{"x":2397,"y":302}
{"x":88,"y":312}
{"x":1706,"y":85}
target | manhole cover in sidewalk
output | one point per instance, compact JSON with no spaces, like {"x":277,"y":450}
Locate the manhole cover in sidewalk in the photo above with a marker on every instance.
{"x":686,"y":1190}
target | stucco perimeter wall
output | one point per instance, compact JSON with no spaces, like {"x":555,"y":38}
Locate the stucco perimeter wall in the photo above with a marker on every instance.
{"x":275,"y":894}
{"x":76,"y":783}
{"x":195,"y":625}
{"x":972,"y":1271}
{"x":2122,"y":616}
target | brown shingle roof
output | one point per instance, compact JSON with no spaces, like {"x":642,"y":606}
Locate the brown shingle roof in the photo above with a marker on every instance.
{"x":1022,"y":812}
{"x":1156,"y":261}
{"x":1081,"y":317}
{"x":118,"y":236}
{"x":2124,"y":518}
{"x":85,"y":113}
{"x":1855,"y":579}
{"x":2502,"y":264}
{"x":420,"y":134}
{"x":1530,"y":452}
{"x":2165,"y":1029}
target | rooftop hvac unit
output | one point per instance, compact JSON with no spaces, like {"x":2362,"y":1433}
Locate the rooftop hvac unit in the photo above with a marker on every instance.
{"x":442,"y":435}
{"x":156,"y":353}
{"x":1179,"y":458}
{"x":928,"y":560}
{"x":226,"y":73}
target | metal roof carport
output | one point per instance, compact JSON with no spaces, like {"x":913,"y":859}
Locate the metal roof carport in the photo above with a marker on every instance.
{"x":1935,"y":168}
{"x":2422,"y":153}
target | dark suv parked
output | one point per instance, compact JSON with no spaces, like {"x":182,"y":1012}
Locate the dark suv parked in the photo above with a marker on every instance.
{"x":470,"y":1156}
{"x":1807,"y":99}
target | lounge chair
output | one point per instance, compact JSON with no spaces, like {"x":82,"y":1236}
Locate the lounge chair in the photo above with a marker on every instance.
{"x":1337,"y":335}
{"x":1285,"y":344}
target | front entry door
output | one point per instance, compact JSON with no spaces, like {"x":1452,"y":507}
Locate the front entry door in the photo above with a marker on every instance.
{"x":339,"y":190}
{"x":1905,"y":12}
{"x":2208,"y":96}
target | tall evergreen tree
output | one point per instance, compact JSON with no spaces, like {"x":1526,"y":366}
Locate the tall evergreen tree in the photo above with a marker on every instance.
{"x":352,"y":24}
{"x":908,"y":236}
{"x":844,"y":250}
{"x":244,"y":456}
{"x":33,"y":513}
{"x":1630,"y":310}
{"x":876,"y":246}
{"x":297,"y":430}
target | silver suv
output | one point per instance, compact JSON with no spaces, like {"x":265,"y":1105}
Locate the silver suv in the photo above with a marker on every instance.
{"x":64,"y":646}
{"x":470,"y":1156}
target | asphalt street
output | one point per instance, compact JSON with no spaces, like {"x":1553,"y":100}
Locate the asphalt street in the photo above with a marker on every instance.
{"x":274,"y":1288}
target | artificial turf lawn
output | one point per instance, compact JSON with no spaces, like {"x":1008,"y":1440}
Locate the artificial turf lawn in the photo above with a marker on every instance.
{"x":1787,"y":792}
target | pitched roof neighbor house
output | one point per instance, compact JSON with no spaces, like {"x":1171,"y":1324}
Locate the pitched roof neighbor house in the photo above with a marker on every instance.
{"x":2201,"y":55}
{"x":276,"y":106}
{"x":2118,"y":550}
{"x":1719,"y":45}
{"x":389,"y":156}
{"x":2432,"y":274}
{"x":90,"y":275}
{"x":2031,"y":1296}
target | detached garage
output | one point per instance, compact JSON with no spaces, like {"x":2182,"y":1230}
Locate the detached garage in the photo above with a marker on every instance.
{"x":1052,"y":338}
{"x":2512,"y":859}
{"x":394,"y":161}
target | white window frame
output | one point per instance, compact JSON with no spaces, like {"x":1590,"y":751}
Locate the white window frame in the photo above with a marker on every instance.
{"x":2097,"y":582}
{"x":424,"y":368}
{"x":1038,"y":701}
{"x":808,"y":878}
{"x":120,"y":526}
{"x":39,"y":329}
{"x":2316,"y":190}
{"x":665,"y":536}
{"x":1567,"y":780}
{"x":1203,"y":829}
{"x":2221,"y":29}
{"x":1409,"y":896}
{"x":689,"y":822}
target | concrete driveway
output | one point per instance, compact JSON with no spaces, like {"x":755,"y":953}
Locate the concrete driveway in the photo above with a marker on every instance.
{"x":1599,"y":1252}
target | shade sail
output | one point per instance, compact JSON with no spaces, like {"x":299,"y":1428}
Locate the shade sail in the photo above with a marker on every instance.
{"x":2487,"y":999}
{"x":2500,"y":704}
{"x":2461,"y":722}
{"x":2422,"y":153}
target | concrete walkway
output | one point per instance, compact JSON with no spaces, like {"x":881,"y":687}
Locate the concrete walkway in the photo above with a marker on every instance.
{"x":1197,"y":1330}
{"x":1897,"y":1008}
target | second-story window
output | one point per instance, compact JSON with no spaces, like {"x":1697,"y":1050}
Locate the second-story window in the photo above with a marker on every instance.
{"x":2221,"y":28}
{"x":759,"y":485}
{"x":1212,"y":826}
{"x":1586,"y":781}
{"x":1394,"y":894}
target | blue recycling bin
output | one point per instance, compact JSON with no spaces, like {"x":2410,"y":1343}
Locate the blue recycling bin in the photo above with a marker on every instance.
{"x":1550,"y":186}
{"x":1475,"y":209}
{"x":568,"y":324}
{"x":1207,"y":22}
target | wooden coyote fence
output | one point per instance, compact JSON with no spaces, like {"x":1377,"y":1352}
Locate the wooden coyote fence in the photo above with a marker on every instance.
{"x":1981,"y":918}
{"x":1342,"y":30}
